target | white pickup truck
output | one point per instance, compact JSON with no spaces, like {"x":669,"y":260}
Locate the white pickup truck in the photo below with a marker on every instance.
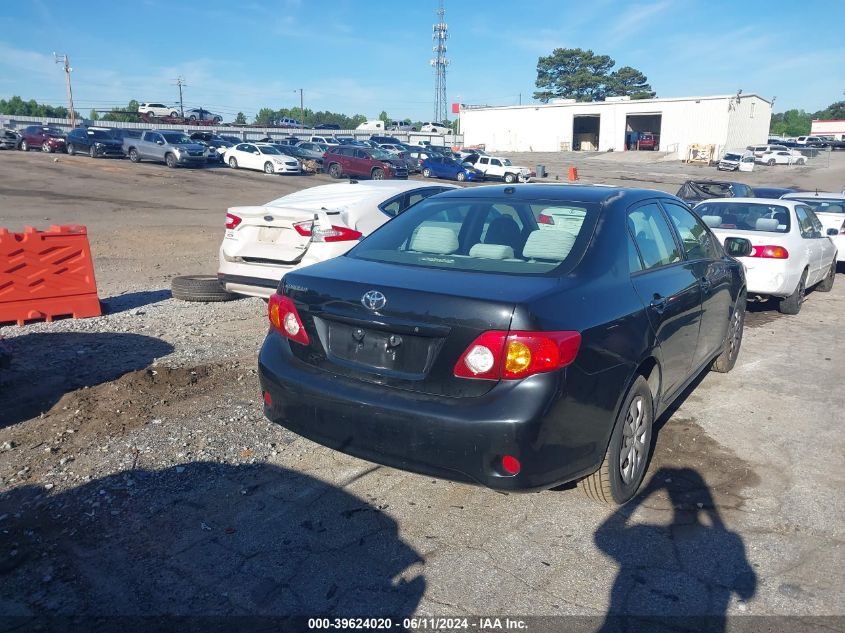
{"x":498,"y":167}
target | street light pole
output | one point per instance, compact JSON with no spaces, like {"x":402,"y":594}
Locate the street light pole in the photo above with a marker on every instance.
{"x":301,"y":110}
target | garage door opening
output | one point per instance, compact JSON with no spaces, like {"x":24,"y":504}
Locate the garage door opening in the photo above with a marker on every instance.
{"x":642,"y":131}
{"x":585,"y":132}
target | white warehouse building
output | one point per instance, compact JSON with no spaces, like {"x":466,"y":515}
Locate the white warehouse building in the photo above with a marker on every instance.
{"x":726,"y":122}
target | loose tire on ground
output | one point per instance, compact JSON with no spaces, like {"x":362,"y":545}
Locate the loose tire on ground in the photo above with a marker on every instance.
{"x":727,"y":359}
{"x":204,"y":288}
{"x":606,"y":485}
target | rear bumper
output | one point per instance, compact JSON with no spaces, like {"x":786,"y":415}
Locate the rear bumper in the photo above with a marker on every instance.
{"x":461,"y":439}
{"x":109,"y":151}
{"x":771,"y":278}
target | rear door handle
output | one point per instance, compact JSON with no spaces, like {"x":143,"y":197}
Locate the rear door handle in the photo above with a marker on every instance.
{"x":658,"y":303}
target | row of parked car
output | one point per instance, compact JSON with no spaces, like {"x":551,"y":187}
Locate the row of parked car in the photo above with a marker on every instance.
{"x":408,"y":319}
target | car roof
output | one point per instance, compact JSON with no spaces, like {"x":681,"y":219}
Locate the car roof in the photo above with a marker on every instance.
{"x":765,"y":201}
{"x":600,"y":194}
{"x":346,"y":194}
{"x":815,"y":194}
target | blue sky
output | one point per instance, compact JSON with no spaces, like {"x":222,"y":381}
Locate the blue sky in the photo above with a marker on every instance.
{"x":368,"y":56}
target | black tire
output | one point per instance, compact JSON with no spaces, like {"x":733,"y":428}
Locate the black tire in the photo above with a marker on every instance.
{"x":377,"y":174}
{"x":174,"y":114}
{"x":509,"y":178}
{"x":725,"y":361}
{"x":71,"y":150}
{"x":800,"y":161}
{"x":268,"y":168}
{"x":204,"y":288}
{"x":792,"y":303}
{"x":217,"y":120}
{"x":92,"y":152}
{"x":826,"y":284}
{"x":335,"y":171}
{"x":24,"y":146}
{"x":193,"y":117}
{"x":233,"y":162}
{"x":771,"y":162}
{"x":461,"y":176}
{"x":170,"y":160}
{"x":45,"y":147}
{"x":134,"y":156}
{"x":607,"y":485}
{"x":426,"y":173}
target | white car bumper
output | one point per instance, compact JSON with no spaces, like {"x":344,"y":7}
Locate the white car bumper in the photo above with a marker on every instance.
{"x":284,"y":168}
{"x":260,"y":279}
{"x":773,"y":277}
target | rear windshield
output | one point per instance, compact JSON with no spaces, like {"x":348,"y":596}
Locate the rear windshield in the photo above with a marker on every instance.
{"x":481,"y":235}
{"x":745,"y":216}
{"x":823,"y":205}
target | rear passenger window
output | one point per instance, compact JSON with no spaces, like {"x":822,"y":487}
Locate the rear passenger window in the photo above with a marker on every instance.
{"x":634,"y":262}
{"x":652,"y":236}
{"x":696,"y":239}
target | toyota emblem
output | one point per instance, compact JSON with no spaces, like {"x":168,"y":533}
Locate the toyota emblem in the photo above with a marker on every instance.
{"x":268,"y":218}
{"x":373,"y":300}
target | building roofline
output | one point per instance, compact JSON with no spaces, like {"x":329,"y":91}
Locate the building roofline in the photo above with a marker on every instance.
{"x":610,"y":103}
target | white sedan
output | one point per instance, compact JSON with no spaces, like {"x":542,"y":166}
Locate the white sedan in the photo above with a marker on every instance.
{"x":782,"y":157}
{"x":264,"y":242}
{"x":792,"y":251}
{"x":830,"y":209}
{"x":262,"y":156}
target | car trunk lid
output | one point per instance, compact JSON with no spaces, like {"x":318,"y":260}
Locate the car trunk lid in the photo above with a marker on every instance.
{"x":413,"y":341}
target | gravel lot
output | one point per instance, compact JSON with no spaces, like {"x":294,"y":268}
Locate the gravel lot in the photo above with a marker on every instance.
{"x":138,"y":475}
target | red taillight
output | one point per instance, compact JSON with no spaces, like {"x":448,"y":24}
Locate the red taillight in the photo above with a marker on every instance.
{"x":268,"y":400}
{"x":770,"y":252}
{"x":334,"y":234}
{"x":511,"y":465}
{"x":842,"y":229}
{"x":285,"y":319}
{"x":513,"y":355}
{"x":545,"y":219}
{"x":232,"y":221}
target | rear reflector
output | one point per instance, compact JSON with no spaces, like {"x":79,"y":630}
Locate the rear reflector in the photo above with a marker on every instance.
{"x":496,"y":354}
{"x":267,"y":399}
{"x":770,"y":252}
{"x":285,"y":319}
{"x":232,"y":221}
{"x":511,"y":465}
{"x":310,"y":229}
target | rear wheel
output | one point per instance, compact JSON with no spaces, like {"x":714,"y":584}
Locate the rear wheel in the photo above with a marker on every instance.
{"x":377,"y":174}
{"x":826,"y":284}
{"x":134,"y":156}
{"x":170,"y":160}
{"x":204,"y":288}
{"x":335,"y":171}
{"x":71,"y":150}
{"x":426,"y":173}
{"x":174,"y":114}
{"x":233,"y":162}
{"x":268,"y":167}
{"x":727,"y":359}
{"x":771,"y":162}
{"x":92,"y":152}
{"x":509,"y":178}
{"x":626,"y":459}
{"x":792,"y":303}
{"x":800,"y":161}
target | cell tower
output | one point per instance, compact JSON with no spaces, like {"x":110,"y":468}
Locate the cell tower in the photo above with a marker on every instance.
{"x":440,"y":33}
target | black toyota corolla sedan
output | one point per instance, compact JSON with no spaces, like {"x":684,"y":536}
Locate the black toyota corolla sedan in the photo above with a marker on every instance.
{"x":518,"y":337}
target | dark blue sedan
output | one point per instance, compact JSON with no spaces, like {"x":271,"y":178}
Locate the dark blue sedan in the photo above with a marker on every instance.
{"x":445,"y":167}
{"x":519,"y":337}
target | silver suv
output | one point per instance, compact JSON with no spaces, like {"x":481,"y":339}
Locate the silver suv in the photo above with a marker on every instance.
{"x":165,"y":146}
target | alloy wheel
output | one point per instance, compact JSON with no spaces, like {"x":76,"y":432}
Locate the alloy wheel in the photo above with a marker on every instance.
{"x":632,"y":453}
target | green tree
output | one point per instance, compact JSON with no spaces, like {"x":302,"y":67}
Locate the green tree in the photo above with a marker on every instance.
{"x":240,"y":119}
{"x":129,"y":114}
{"x":265,"y":116}
{"x":94,"y":115}
{"x":383,"y":117}
{"x":833,"y":112}
{"x":575,"y":73}
{"x":791,"y":123}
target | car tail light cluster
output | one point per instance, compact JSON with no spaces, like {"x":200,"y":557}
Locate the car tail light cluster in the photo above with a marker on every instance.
{"x":770,"y":252}
{"x":516,"y":354}
{"x":842,"y":229}
{"x":232,"y":220}
{"x":285,"y":319}
{"x":334,"y":234}
{"x":545,"y":219}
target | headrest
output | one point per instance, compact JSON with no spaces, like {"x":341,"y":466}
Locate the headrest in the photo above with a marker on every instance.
{"x":767,"y":224}
{"x":491,"y":251}
{"x":435,"y":239}
{"x":549,"y":244}
{"x":713,"y":221}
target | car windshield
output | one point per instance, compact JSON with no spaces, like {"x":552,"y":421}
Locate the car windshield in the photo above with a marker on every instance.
{"x":380,"y":154}
{"x":176,"y":139}
{"x":268,"y":150}
{"x":745,"y":216}
{"x":53,"y":131}
{"x":484,"y":235}
{"x":732,"y":157}
{"x":823,"y":205}
{"x":98,"y":134}
{"x":506,"y":162}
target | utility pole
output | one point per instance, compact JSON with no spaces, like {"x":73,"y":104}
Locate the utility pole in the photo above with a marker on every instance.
{"x":180,"y":81}
{"x":64,"y":59}
{"x":301,"y":110}
{"x":520,"y":98}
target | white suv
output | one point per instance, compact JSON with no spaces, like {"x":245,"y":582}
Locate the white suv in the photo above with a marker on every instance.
{"x":435,"y":128}
{"x":157,"y":109}
{"x":498,"y":167}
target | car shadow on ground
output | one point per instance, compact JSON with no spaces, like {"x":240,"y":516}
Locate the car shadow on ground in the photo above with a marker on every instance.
{"x":45,"y":366}
{"x":132,"y":300}
{"x":679,"y":563}
{"x":220,"y":541}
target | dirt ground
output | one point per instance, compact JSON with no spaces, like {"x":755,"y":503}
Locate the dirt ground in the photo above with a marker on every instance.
{"x":139,"y":477}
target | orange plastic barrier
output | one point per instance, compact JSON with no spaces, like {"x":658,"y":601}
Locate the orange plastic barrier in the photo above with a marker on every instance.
{"x":573,"y":174}
{"x":46,"y":274}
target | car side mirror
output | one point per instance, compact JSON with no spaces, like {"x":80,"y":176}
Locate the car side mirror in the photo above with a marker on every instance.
{"x":159,"y":142}
{"x":832,"y":232}
{"x":738,"y":247}
{"x":257,"y":153}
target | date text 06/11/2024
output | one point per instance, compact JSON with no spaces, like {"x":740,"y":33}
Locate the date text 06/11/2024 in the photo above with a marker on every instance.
{"x":481,"y":624}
